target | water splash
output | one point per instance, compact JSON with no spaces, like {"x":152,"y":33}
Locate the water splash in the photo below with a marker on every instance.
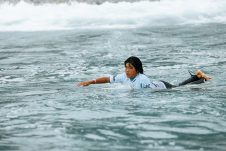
{"x":28,"y":17}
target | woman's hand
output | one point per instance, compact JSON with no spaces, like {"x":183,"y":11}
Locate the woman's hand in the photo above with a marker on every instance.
{"x":201,"y":74}
{"x":86,"y":83}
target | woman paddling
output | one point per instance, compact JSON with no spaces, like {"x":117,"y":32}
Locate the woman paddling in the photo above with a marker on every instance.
{"x":135,"y":78}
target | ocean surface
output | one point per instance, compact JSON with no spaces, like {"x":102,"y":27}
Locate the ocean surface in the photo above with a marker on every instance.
{"x":45,"y":50}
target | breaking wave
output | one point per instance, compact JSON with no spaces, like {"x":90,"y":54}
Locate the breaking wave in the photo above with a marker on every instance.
{"x":25,"y":16}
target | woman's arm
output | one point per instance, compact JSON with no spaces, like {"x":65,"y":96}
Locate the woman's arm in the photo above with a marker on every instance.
{"x":95,"y":81}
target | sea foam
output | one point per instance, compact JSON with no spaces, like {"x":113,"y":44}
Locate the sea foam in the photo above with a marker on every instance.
{"x":28,"y":17}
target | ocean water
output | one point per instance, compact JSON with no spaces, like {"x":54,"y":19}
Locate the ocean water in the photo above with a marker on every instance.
{"x":45,"y":50}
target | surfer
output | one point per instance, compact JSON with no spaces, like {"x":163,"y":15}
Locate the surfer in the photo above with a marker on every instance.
{"x":134,"y":76}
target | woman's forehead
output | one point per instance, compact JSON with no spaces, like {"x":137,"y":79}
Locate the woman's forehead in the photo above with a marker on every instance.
{"x":129,"y":65}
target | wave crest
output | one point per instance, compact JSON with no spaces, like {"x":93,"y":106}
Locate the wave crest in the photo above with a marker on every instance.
{"x":28,"y":17}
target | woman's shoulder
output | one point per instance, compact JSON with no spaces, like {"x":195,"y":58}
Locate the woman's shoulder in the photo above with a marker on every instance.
{"x":118,"y":78}
{"x":121,"y":75}
{"x":143,"y":77}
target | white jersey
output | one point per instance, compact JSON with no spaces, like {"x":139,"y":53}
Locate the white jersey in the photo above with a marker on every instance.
{"x":140,"y":81}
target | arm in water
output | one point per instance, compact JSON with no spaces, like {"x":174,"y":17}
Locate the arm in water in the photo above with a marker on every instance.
{"x":95,"y":81}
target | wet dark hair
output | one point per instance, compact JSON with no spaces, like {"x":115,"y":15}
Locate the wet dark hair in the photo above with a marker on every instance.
{"x":136,"y":63}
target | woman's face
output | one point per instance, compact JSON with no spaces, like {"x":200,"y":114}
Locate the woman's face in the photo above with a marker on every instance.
{"x":130,"y":71}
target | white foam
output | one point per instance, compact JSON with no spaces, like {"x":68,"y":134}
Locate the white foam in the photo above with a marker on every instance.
{"x":28,"y":17}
